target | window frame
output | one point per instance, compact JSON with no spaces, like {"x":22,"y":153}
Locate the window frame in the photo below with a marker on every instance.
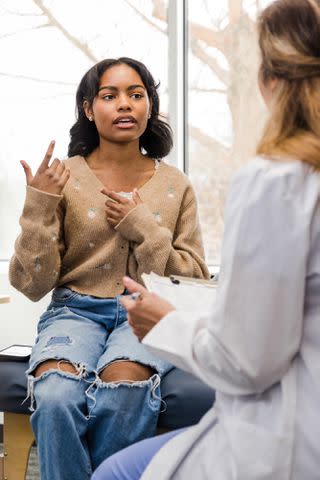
{"x":178,"y":81}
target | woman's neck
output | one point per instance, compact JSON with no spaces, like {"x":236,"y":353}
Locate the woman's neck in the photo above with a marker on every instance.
{"x":116,"y":155}
{"x":121,"y":167}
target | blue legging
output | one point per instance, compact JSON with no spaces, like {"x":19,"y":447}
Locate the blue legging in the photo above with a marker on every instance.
{"x":131,"y":462}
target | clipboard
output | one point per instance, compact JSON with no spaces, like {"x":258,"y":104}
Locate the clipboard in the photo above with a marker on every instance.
{"x":184,"y":293}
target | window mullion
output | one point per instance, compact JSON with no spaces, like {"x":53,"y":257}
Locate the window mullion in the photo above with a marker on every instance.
{"x":178,"y":81}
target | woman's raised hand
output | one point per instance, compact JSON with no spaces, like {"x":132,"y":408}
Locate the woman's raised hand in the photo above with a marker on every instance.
{"x":49,"y":179}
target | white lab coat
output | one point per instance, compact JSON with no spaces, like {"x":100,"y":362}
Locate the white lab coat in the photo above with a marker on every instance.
{"x":260,"y":346}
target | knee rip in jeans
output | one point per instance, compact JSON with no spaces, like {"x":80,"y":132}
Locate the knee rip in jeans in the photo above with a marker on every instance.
{"x":153,"y":382}
{"x":133,"y":372}
{"x":80,"y":374}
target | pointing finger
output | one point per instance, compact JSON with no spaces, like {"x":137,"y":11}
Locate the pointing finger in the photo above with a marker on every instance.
{"x":45,"y":162}
{"x":113,"y":195}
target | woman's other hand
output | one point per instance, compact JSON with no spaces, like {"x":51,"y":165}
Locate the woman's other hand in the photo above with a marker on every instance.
{"x":145,"y":312}
{"x":117,"y":206}
{"x":49,"y":179}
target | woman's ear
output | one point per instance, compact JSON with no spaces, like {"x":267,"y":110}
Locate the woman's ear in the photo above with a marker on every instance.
{"x":88,"y":110}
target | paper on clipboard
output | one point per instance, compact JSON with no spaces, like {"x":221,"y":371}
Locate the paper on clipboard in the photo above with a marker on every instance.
{"x":184,"y":293}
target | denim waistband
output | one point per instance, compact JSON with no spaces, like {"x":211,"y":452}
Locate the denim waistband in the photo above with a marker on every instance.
{"x":97,"y":309}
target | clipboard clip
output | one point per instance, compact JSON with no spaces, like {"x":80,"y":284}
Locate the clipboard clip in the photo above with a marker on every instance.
{"x":174,"y":280}
{"x":179,"y":280}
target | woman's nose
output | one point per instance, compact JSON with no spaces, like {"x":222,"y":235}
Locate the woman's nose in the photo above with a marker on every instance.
{"x":124,"y":103}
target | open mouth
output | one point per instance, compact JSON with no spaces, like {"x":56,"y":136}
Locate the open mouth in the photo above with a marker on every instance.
{"x":125,"y":122}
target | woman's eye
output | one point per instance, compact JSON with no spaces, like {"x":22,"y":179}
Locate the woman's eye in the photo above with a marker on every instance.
{"x":137,"y":95}
{"x":108,"y":97}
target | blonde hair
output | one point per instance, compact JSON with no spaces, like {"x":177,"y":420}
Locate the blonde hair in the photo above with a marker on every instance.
{"x":289,"y":39}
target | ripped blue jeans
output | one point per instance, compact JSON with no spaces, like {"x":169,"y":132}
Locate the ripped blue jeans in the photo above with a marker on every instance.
{"x":78,"y":419}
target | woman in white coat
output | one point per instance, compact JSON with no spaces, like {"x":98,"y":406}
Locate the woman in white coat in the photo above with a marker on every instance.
{"x":260,"y":346}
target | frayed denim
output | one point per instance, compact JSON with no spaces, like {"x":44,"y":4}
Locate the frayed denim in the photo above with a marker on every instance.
{"x":78,"y":419}
{"x":125,"y":412}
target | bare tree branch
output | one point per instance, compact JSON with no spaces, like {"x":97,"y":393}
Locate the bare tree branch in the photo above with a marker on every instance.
{"x":210,"y":37}
{"x":58,"y":95}
{"x":219,"y":39}
{"x":146,"y":19}
{"x":235,"y":11}
{"x":159,"y":10}
{"x":19,"y":13}
{"x":208,"y":90}
{"x":23,"y":30}
{"x":222,"y":74}
{"x":209,"y":142}
{"x":206,"y":6}
{"x":75,"y":41}
{"x":35,"y":79}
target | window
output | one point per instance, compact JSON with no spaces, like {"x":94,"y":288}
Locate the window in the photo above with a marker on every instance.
{"x":203,"y":52}
{"x":225,"y":111}
{"x":46,"y":47}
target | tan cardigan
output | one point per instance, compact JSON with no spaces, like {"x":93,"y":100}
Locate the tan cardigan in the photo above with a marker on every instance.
{"x":66,"y":239}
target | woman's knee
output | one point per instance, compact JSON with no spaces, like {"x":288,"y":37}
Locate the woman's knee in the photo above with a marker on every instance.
{"x":56,"y":386}
{"x":52,"y":364}
{"x":124,"y":370}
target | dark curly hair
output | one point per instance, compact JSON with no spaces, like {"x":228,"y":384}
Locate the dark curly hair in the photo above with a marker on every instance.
{"x":156,"y":140}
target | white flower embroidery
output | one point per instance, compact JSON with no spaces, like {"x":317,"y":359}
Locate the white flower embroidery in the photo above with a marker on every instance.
{"x":157,"y":217}
{"x":92,"y":212}
{"x":105,"y":266}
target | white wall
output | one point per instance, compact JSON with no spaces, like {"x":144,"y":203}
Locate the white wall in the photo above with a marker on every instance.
{"x":18,"y":319}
